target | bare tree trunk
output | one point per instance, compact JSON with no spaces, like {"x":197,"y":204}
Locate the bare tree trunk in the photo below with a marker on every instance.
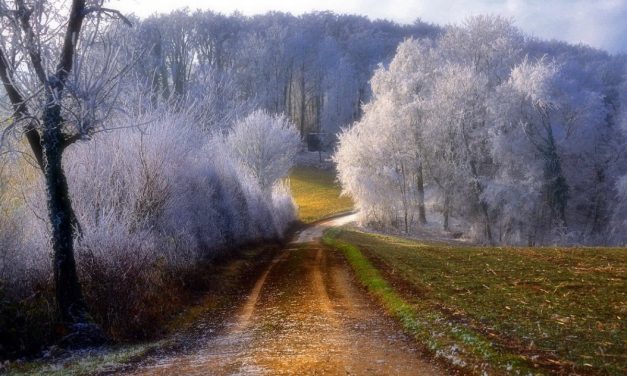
{"x":68,"y":289}
{"x":445,"y":213}
{"x":556,"y":186}
{"x":302,"y":100}
{"x":487,"y":228}
{"x":404,"y":192}
{"x":48,"y":146}
{"x":478,"y":189}
{"x":483,"y":206}
{"x":420,"y":192}
{"x":599,"y":208}
{"x":288,"y":97}
{"x":405,"y":218}
{"x":318,"y":105}
{"x":358,"y":109}
{"x":160,"y":78}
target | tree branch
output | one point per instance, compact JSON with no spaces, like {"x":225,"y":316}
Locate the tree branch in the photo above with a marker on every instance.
{"x":111,"y":12}
{"x":66,"y":60}
{"x":20,"y":110}
{"x":69,"y":140}
{"x":17,"y":100}
{"x":24,"y":14}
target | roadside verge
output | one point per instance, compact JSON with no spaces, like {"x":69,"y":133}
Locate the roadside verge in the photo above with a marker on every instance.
{"x":455,"y":345}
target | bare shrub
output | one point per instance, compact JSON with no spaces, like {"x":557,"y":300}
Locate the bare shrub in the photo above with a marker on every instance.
{"x":152,"y":204}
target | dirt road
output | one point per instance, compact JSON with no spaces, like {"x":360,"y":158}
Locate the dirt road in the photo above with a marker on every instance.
{"x":305,"y":315}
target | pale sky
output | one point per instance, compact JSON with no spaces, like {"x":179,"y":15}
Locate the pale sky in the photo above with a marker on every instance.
{"x":599,"y":23}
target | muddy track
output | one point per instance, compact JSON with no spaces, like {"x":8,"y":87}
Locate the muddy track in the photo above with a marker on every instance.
{"x":304,"y":315}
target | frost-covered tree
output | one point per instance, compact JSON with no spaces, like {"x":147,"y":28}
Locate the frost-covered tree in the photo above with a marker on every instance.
{"x":265,"y":145}
{"x":511,"y":148}
{"x":490,"y":45}
{"x":393,"y":127}
{"x":61,"y":84}
{"x":375,"y":168}
{"x":313,"y":68}
{"x":456,"y":134}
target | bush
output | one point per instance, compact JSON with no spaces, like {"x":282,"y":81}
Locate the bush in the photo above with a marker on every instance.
{"x":153,"y":205}
{"x":265,"y":145}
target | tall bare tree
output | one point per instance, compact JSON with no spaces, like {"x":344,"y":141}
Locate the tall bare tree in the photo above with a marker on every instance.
{"x":59,"y":109}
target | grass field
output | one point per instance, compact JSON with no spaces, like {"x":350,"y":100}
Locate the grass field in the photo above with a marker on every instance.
{"x":317,"y":194}
{"x":547,"y":310}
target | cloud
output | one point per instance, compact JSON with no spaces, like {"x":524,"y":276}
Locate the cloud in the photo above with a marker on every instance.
{"x":599,"y":23}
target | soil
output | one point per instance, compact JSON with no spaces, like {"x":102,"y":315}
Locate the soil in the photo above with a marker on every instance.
{"x":305,"y":315}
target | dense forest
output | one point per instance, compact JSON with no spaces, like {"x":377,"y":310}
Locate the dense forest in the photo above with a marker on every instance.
{"x":314,"y":68}
{"x":497,"y":136}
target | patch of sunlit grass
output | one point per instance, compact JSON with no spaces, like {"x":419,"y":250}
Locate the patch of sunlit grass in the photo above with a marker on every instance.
{"x":317,"y":194}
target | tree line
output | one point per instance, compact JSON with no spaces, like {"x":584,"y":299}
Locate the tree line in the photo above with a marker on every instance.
{"x":492,"y":133}
{"x":313,"y":68}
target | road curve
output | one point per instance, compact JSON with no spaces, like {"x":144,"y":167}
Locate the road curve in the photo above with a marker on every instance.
{"x":314,"y":233}
{"x":305,"y":315}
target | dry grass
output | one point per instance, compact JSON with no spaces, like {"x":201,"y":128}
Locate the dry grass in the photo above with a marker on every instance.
{"x":165,"y":318}
{"x":317,"y":194}
{"x":558,"y":309}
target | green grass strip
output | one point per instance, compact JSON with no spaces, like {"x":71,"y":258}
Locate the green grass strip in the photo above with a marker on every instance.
{"x":456,"y":344}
